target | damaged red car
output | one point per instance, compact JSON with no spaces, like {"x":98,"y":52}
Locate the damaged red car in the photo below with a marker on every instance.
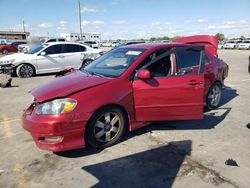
{"x":125,"y":89}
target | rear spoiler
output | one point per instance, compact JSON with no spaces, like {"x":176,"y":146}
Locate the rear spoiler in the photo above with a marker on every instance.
{"x":210,"y":42}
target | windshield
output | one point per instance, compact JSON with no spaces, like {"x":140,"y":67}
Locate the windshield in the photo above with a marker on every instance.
{"x":36,"y":49}
{"x":114,"y":63}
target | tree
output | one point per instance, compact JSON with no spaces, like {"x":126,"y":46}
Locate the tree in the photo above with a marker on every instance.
{"x":242,"y":37}
{"x":220,"y":36}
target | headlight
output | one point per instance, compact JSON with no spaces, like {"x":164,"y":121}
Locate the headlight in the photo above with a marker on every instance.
{"x":7,"y":61}
{"x":57,"y":106}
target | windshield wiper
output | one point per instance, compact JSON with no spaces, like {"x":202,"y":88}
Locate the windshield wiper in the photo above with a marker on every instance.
{"x":93,"y":73}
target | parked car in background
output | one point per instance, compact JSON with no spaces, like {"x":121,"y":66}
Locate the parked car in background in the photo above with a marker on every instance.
{"x":11,"y":47}
{"x":92,"y":44}
{"x":26,"y":47}
{"x":48,"y":58}
{"x":244,"y":45}
{"x":4,"y":41}
{"x":116,"y":44}
{"x":233,"y":44}
{"x":128,"y":43}
{"x":134,"y":84}
{"x":221,"y":44}
{"x":106,"y":44}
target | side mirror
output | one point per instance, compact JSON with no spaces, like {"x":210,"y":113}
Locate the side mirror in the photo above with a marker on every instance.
{"x":43,"y":53}
{"x":143,"y":74}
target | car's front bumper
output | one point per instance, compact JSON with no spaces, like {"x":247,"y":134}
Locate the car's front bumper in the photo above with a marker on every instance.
{"x":7,"y":69}
{"x":228,"y":47}
{"x":44,"y":127}
{"x":244,"y":47}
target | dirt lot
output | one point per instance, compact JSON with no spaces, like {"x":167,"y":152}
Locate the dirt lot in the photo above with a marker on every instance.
{"x":168,"y":154}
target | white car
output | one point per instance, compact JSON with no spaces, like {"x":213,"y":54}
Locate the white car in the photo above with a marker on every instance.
{"x":232,"y":44}
{"x":49,"y":58}
{"x":245,"y":45}
{"x":92,"y":44}
{"x":106,"y":44}
{"x":24,"y":48}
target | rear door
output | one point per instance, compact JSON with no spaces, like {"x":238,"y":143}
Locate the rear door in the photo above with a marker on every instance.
{"x":73,"y":55}
{"x":169,"y":95}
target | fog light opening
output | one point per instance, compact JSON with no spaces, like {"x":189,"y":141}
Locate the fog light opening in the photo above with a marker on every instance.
{"x":53,"y":139}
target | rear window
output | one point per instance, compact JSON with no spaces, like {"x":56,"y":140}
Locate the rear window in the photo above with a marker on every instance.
{"x":70,"y":48}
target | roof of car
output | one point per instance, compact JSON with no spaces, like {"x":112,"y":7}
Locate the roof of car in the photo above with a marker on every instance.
{"x":63,"y":42}
{"x":155,"y":45}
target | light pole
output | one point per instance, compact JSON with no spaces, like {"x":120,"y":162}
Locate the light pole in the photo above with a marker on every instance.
{"x":23,"y":27}
{"x":80,"y":18}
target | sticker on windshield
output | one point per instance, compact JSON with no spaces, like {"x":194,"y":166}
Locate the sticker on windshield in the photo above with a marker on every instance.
{"x":133,"y":53}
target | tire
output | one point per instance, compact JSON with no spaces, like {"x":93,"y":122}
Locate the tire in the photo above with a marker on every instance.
{"x":101,"y":132}
{"x":86,"y":62}
{"x":5,"y":52}
{"x":25,"y":71}
{"x":214,"y":96}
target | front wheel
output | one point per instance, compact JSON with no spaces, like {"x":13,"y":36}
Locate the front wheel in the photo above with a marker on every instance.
{"x":213,"y":96}
{"x":25,"y":71}
{"x":5,"y":52}
{"x":106,"y":127}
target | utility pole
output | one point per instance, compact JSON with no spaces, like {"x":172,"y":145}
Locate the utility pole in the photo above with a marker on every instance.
{"x":23,"y":27}
{"x":80,"y":19}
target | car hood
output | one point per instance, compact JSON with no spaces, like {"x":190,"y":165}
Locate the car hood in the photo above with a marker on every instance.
{"x":66,"y":85}
{"x":18,"y":57}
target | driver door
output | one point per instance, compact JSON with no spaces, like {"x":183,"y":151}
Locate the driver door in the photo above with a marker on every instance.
{"x":170,"y":96}
{"x":52,"y":61}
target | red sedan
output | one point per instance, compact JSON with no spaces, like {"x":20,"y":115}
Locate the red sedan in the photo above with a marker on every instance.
{"x":5,"y":49}
{"x":125,"y":89}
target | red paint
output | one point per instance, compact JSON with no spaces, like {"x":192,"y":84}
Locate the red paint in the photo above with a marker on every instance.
{"x":144,"y":100}
{"x":143,"y":74}
{"x":9,"y":48}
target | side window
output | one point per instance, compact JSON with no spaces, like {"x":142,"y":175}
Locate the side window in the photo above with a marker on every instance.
{"x":55,"y":49}
{"x":205,"y":58}
{"x":187,"y":58}
{"x":70,"y":48}
{"x":61,"y":40}
{"x":82,"y":49}
{"x":161,"y":67}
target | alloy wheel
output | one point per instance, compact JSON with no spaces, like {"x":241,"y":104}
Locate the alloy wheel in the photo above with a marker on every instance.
{"x":215,"y":95}
{"x":107,"y":127}
{"x":26,"y":71}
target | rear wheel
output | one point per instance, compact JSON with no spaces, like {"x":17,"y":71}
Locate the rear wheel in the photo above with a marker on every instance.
{"x":106,"y":127}
{"x":214,"y":96}
{"x":25,"y":71}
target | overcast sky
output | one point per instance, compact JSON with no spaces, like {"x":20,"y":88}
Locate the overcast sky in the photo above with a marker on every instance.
{"x":128,"y":19}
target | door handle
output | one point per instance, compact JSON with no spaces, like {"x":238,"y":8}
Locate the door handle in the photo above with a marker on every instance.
{"x":194,"y":82}
{"x":61,"y":56}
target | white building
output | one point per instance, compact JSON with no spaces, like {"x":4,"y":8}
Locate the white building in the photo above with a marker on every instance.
{"x":85,"y":36}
